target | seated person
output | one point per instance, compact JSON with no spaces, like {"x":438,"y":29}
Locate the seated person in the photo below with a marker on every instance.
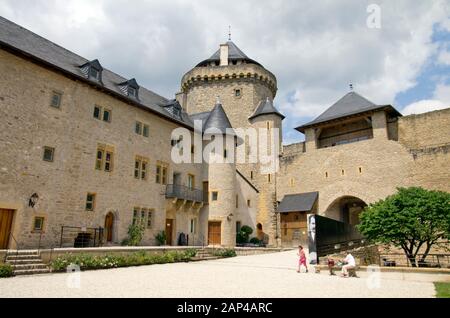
{"x":331,"y":265}
{"x":349,"y":264}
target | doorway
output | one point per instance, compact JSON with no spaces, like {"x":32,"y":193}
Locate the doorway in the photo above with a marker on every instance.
{"x":169,"y":231}
{"x":6,"y":217}
{"x":214,"y":233}
{"x":109,"y":223}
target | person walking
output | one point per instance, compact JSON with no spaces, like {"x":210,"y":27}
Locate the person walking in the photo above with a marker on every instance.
{"x":302,"y":259}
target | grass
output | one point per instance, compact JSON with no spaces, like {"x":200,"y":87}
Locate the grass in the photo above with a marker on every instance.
{"x":442,"y":290}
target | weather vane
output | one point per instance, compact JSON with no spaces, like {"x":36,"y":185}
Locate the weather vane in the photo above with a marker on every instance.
{"x":229,"y":33}
{"x":351,"y":87}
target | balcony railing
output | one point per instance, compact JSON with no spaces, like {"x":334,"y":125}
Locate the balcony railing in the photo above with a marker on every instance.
{"x":184,"y":193}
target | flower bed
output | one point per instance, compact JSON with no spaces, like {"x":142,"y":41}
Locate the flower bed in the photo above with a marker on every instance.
{"x":87,"y":262}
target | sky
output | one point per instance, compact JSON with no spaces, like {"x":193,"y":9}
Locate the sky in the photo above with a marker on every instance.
{"x":393,"y":52}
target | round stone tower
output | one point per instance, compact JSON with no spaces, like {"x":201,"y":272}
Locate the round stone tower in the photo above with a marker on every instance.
{"x":220,"y":148}
{"x":246,"y":90}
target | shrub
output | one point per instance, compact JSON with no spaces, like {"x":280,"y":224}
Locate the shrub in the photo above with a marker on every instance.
{"x":255,"y":240}
{"x":227,"y":252}
{"x":161,"y":238}
{"x":243,"y":235}
{"x":135,"y":234}
{"x":6,"y":270}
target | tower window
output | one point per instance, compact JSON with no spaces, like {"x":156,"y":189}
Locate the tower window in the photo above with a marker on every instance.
{"x":251,"y":175}
{"x":342,"y":172}
{"x":237,"y":92}
{"x":90,"y":202}
{"x":48,"y":154}
{"x":214,"y":195}
{"x":38,"y":223}
{"x":56,"y":100}
{"x":360,"y":170}
{"x":326,"y":174}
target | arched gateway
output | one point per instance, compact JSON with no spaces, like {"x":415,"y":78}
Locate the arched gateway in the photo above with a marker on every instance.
{"x":346,"y":209}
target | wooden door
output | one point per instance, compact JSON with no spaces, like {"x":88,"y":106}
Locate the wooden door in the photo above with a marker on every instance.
{"x":214,"y":233}
{"x":169,"y":231}
{"x":6,"y":217}
{"x":109,"y":222}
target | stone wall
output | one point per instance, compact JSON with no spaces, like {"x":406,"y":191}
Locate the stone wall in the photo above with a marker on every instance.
{"x":30,"y":123}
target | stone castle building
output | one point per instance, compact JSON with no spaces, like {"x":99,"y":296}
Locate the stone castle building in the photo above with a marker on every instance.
{"x":85,"y":153}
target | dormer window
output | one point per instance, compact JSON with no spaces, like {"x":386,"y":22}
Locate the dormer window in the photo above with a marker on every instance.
{"x":92,"y":70}
{"x":94,"y":74}
{"x":131,"y":92}
{"x":130,"y":88}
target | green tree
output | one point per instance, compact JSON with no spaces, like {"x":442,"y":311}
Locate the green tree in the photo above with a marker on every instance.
{"x":412,"y":219}
{"x":135,"y":235}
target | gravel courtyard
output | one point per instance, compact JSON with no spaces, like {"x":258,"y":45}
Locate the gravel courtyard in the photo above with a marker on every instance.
{"x":269,"y":275}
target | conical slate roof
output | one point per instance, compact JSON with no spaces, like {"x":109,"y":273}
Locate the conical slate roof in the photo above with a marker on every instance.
{"x":265,"y":107}
{"x":218,"y":119}
{"x":351,"y":104}
{"x":234,"y":54}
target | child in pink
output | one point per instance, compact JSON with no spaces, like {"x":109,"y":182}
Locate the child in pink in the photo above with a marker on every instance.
{"x":302,"y":259}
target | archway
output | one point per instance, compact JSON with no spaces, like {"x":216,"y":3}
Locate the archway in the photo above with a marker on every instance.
{"x":346,"y":209}
{"x":109,"y":227}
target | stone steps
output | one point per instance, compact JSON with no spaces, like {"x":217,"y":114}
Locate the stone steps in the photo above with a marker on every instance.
{"x":31,"y":271}
{"x":26,"y":262}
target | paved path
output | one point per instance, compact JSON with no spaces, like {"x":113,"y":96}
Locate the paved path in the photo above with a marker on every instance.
{"x":269,"y":275}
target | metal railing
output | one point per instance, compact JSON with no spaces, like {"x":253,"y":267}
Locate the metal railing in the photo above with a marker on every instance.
{"x":432,"y":260}
{"x":184,"y":192}
{"x":75,"y":236}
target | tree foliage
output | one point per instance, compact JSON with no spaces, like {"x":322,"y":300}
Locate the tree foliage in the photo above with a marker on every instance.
{"x":412,"y":219}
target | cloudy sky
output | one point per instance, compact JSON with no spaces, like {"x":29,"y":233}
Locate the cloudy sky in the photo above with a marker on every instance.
{"x":315,"y":48}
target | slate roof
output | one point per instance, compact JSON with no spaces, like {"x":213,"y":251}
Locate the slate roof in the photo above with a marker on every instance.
{"x":265,"y":107}
{"x":24,"y":42}
{"x":351,"y":104}
{"x":217,"y":119}
{"x":300,"y":202}
{"x":234,"y":54}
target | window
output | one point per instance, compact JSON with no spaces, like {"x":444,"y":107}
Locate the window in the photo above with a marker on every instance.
{"x":161,"y":173}
{"x":135,"y":216}
{"x":143,"y":217}
{"x":193,"y":228}
{"x":342,"y":172}
{"x":145,"y":131}
{"x":237,"y":201}
{"x":191,"y":181}
{"x":249,"y":203}
{"x":269,"y":178}
{"x":97,"y":112}
{"x":38,"y":224}
{"x":56,"y":100}
{"x":251,"y":175}
{"x":94,"y":73}
{"x":238,"y":226}
{"x":237,"y":92}
{"x":107,"y":115}
{"x":90,"y":202}
{"x":138,"y":128}
{"x":326,"y":174}
{"x":291,"y":182}
{"x":149,"y":219}
{"x":102,"y":114}
{"x":140,"y":168}
{"x":104,"y":158}
{"x":225,"y":153}
{"x":360,"y":170}
{"x":192,"y":149}
{"x":49,"y":153}
{"x":268,"y":125}
{"x":214,"y":195}
{"x":131,"y":91}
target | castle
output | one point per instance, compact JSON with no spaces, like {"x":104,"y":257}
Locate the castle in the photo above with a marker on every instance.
{"x":84,"y":150}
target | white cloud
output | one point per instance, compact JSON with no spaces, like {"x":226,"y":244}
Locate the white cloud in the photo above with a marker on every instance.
{"x":440,"y":100}
{"x":444,"y":57}
{"x":424,"y":106}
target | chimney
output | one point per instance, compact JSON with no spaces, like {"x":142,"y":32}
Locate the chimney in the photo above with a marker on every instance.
{"x":224,"y":54}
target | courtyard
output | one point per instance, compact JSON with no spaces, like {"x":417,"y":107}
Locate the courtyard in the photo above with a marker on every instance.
{"x":267,"y":275}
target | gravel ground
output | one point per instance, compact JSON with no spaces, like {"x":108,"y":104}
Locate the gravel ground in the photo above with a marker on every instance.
{"x":269,"y":275}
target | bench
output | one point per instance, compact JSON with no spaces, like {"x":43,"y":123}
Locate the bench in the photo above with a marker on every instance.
{"x":351,"y":272}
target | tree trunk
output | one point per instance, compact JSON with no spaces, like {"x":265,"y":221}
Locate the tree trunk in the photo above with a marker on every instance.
{"x":425,"y":254}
